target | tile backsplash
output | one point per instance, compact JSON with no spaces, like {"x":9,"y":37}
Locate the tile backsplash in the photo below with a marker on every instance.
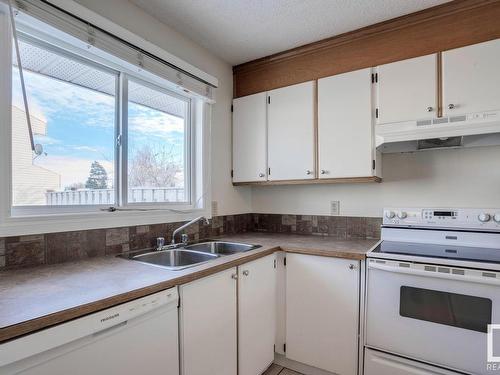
{"x":341,"y":227}
{"x":50,"y":248}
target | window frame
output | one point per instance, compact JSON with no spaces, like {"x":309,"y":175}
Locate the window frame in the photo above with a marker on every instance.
{"x":188,"y":146}
{"x":30,"y":210}
{"x":45,"y":219}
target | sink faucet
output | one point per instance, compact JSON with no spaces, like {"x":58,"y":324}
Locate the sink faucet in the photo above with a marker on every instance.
{"x":181,"y":228}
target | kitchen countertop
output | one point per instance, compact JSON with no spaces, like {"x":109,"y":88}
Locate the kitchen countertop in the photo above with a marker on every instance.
{"x":36,"y":298}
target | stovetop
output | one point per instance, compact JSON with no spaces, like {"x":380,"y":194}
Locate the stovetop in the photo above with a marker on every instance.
{"x":464,"y":237}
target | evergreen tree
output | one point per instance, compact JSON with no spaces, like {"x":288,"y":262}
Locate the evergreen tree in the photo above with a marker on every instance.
{"x":98,"y":178}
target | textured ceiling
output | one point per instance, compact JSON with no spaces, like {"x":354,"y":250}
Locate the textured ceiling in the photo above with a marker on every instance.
{"x":243,"y":30}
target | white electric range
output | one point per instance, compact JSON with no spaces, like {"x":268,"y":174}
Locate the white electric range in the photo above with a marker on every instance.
{"x":433,"y":293}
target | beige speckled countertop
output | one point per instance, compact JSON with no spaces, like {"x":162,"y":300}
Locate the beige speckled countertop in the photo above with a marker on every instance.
{"x":36,"y":298}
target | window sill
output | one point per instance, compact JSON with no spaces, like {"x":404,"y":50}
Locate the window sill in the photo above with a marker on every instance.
{"x":28,"y":225}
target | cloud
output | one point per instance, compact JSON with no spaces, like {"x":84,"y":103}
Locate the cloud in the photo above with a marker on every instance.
{"x":48,"y":97}
{"x":86,"y":148}
{"x":46,"y":140}
{"x":62,"y":103}
{"x":154,"y":123}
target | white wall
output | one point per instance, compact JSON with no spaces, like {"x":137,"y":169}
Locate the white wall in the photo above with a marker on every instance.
{"x":230,"y":200}
{"x":465,"y":177}
{"x":454,"y":178}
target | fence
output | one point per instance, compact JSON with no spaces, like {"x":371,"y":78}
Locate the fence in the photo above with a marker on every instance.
{"x":107,"y":196}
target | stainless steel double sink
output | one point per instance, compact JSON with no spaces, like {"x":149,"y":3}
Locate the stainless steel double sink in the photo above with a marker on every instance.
{"x":184,"y":256}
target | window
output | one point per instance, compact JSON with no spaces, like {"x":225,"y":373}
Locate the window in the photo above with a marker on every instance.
{"x":157,"y":142}
{"x":456,"y":310}
{"x":109,"y":135}
{"x":72,"y":110}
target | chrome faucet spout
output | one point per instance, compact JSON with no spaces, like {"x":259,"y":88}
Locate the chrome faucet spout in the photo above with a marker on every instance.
{"x":181,"y":228}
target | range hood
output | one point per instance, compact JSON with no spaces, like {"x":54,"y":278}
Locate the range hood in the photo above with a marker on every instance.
{"x":469,"y":130}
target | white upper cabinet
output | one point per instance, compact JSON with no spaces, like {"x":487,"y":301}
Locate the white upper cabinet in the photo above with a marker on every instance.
{"x":250,"y":138}
{"x":471,"y":79}
{"x":322,"y":312}
{"x":345,"y":136}
{"x":291,"y":115}
{"x":256,"y":315}
{"x":407,"y":90}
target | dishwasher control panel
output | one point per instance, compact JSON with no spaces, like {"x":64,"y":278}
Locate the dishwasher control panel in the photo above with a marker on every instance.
{"x":119,"y":314}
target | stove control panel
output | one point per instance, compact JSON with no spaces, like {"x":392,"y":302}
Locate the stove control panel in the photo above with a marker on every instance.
{"x":466,"y":218}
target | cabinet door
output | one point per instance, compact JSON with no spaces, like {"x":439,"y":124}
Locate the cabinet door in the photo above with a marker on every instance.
{"x":345,"y":138}
{"x":471,"y":78}
{"x":250,"y":138}
{"x":291,"y":132}
{"x":256,"y":315}
{"x":407,"y":90}
{"x":208,"y":325}
{"x":322,"y":312}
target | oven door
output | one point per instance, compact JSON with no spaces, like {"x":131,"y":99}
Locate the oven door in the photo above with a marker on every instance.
{"x":434,"y":314}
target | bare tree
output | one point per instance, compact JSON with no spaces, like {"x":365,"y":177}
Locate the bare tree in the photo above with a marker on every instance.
{"x":153,"y":167}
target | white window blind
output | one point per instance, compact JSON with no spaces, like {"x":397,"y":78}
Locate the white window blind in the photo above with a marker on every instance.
{"x":100,"y":39}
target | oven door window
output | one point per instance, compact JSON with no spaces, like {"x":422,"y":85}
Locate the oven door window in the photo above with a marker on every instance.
{"x":458,"y":310}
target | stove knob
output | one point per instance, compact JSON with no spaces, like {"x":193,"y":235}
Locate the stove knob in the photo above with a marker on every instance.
{"x":402,"y":215}
{"x":390,"y":214}
{"x":484,"y":217}
{"x":496,"y":217}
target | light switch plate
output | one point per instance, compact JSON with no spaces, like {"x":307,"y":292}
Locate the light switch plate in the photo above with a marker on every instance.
{"x":334,"y":208}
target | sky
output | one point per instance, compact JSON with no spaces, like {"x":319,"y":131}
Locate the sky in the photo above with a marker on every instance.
{"x":80,"y":126}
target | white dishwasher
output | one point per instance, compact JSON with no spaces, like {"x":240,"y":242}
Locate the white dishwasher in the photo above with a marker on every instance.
{"x":137,"y":337}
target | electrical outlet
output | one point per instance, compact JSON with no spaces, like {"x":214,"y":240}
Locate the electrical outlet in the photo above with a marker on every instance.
{"x":334,"y":208}
{"x":215,"y":208}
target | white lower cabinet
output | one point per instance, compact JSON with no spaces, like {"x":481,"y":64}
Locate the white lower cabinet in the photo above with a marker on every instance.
{"x":322,"y":312}
{"x":380,"y":363}
{"x":256,"y":315}
{"x":208,"y":325}
{"x":228,"y":320}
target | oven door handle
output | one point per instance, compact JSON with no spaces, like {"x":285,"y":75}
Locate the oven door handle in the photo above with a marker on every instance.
{"x":448,"y":276}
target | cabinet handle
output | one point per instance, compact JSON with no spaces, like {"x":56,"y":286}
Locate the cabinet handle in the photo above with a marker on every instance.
{"x":308,"y":172}
{"x":430,"y":109}
{"x":261,"y":174}
{"x":451,"y":106}
{"x":352,"y":267}
{"x":323,"y":171}
{"x":234,"y":276}
{"x":246,"y":273}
